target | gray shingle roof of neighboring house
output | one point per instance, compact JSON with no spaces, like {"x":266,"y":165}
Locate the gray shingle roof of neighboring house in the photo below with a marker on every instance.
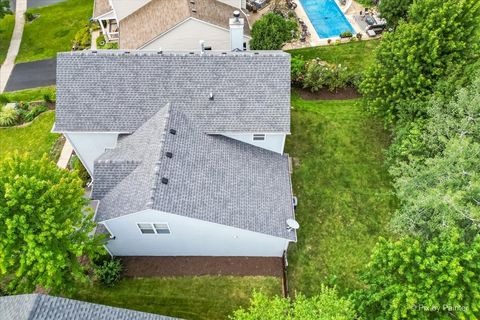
{"x":117,"y":91}
{"x":210,"y":177}
{"x":43,"y":307}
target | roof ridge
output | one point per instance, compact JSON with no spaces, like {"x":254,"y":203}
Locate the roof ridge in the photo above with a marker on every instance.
{"x":156,"y":168}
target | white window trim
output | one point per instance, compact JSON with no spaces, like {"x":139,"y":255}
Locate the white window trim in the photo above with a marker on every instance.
{"x":152,"y":224}
{"x":263,"y":137}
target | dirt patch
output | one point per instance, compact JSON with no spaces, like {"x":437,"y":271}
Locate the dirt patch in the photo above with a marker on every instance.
{"x":188,"y":266}
{"x":325,"y":94}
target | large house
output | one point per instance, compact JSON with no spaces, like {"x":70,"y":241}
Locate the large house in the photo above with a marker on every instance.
{"x":173,"y":24}
{"x":43,"y":307}
{"x":185,"y":149}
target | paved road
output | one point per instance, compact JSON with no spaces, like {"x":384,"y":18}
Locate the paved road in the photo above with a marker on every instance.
{"x":32,"y":74}
{"x":35,"y":3}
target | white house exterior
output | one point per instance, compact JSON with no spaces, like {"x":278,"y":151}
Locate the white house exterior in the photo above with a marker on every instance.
{"x":170,"y":24}
{"x":185,"y":149}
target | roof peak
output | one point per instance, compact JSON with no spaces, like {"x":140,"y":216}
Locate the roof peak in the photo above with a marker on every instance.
{"x":197,"y":53}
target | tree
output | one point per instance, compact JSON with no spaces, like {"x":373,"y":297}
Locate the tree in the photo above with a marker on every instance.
{"x":325,"y":306}
{"x":4,"y":8}
{"x":415,"y":279}
{"x":441,"y":193}
{"x":271,"y":31}
{"x":44,"y":228}
{"x":440,"y":36}
{"x":394,"y":10}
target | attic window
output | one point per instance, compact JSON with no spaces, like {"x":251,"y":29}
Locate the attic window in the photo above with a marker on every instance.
{"x":146,"y":228}
{"x":258,"y":137}
{"x":154,"y":228}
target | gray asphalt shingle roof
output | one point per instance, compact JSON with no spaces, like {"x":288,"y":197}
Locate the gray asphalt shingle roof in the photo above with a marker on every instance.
{"x":210,"y":177}
{"x":116,"y":91}
{"x":43,"y":307}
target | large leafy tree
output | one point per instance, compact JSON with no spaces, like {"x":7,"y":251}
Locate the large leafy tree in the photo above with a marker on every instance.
{"x":440,"y":193}
{"x":327,"y":305}
{"x":4,"y":8}
{"x":394,"y":10}
{"x":44,"y":228}
{"x":415,"y":279}
{"x":440,"y":37}
{"x":271,"y":31}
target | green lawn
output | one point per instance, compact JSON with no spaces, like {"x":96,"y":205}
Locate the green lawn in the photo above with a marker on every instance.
{"x":6,"y":29}
{"x":54,"y":30}
{"x":344,"y":192}
{"x":35,"y":94}
{"x":205,"y":297}
{"x":35,"y":138}
{"x":355,"y":55}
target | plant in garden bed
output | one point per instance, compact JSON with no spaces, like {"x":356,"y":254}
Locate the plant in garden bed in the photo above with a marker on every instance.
{"x":83,"y":39}
{"x":8,"y":116}
{"x":346,"y":34}
{"x":108,"y":273}
{"x":103,"y":44}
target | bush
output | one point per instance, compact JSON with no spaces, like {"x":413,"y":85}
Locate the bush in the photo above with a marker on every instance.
{"x":297,"y":71}
{"x":103,"y":44}
{"x":320,"y":74}
{"x":82,"y":39}
{"x":29,"y":17}
{"x":34,"y":112}
{"x":77,"y":165}
{"x":47,"y":97}
{"x":346,"y":34}
{"x":109,"y":272}
{"x":271,"y":31}
{"x":8,"y":116}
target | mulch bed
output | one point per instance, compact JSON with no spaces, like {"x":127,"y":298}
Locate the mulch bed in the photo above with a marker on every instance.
{"x":189,"y":266}
{"x":325,"y":94}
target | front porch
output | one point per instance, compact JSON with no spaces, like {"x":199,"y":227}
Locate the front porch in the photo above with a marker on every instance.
{"x":109,"y":25}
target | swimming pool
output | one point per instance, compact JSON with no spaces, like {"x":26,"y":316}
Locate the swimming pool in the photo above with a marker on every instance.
{"x":326,"y":17}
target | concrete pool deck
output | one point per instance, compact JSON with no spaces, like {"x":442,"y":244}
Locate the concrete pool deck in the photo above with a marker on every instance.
{"x":354,"y":8}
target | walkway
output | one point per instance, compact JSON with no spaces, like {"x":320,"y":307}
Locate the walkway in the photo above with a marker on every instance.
{"x":65,"y":155}
{"x":7,"y":66}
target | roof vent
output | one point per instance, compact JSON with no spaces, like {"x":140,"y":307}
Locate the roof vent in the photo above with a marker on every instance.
{"x":160,"y":52}
{"x":164,"y":180}
{"x":236,"y":15}
{"x":126,"y":52}
{"x":194,"y":10}
{"x":94,"y":51}
{"x":211,"y":96}
{"x":169,"y":154}
{"x":173,"y":131}
{"x":292,"y":225}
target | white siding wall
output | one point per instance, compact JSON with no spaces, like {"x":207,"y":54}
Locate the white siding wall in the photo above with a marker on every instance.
{"x":273,"y":141}
{"x":89,"y":146}
{"x":187,"y":35}
{"x":189,"y":237}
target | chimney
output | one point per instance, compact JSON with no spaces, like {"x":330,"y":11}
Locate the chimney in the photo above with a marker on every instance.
{"x":236,"y":31}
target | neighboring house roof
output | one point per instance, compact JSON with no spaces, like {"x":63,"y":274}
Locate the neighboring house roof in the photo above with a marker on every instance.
{"x":210,"y":177}
{"x":116,"y":91}
{"x":141,"y":21}
{"x":43,"y":307}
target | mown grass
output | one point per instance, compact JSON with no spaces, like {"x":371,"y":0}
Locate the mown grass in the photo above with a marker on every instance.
{"x":30,"y":94}
{"x":356,"y":56}
{"x":6,"y":29}
{"x":54,"y":30}
{"x":34,"y":138}
{"x":205,"y":297}
{"x":344,"y":192}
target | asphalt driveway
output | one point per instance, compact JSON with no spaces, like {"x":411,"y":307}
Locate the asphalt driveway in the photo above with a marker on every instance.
{"x":35,"y":3}
{"x":32,"y":75}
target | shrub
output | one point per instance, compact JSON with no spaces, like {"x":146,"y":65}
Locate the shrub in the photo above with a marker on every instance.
{"x":82,"y":39}
{"x":8,"y":116}
{"x":77,"y":165}
{"x":29,"y":16}
{"x":4,"y":99}
{"x":47,"y":97}
{"x":103,"y":44}
{"x":34,"y":112}
{"x":271,"y":31}
{"x":320,"y":74}
{"x":346,"y":34}
{"x":109,"y":272}
{"x":297,"y":71}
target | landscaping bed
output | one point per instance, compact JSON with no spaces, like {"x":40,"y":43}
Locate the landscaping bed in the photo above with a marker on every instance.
{"x":344,"y":192}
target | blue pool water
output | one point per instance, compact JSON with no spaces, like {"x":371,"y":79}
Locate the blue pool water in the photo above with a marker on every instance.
{"x":326,"y":17}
